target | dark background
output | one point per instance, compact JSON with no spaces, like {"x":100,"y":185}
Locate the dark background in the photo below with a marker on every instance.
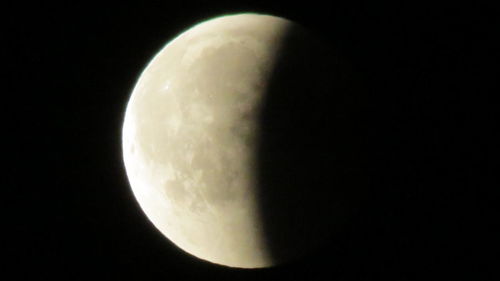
{"x":425,"y":123}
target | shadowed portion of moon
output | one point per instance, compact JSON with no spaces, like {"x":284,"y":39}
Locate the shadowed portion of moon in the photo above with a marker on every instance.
{"x":308,"y":152}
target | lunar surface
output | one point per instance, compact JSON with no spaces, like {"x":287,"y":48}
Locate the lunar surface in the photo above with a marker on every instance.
{"x":191,"y":134}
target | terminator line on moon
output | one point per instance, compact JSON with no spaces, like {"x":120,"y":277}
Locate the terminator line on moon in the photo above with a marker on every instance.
{"x":190,"y":133}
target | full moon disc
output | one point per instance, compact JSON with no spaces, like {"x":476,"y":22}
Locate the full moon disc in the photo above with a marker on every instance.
{"x":202,"y":147}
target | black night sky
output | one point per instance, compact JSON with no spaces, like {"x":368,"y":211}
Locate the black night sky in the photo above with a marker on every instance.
{"x":421,"y":131}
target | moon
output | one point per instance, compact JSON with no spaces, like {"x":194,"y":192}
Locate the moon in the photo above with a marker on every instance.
{"x":192,"y":141}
